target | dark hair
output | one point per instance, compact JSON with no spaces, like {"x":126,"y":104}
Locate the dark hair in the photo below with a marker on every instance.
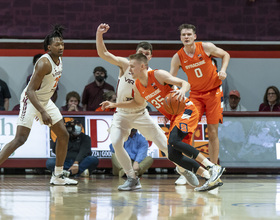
{"x":187,"y":26}
{"x":56,"y":32}
{"x":100,"y":69}
{"x":73,"y":94}
{"x":145,"y":45}
{"x":36,"y":57}
{"x":275,"y":89}
{"x":139,"y":57}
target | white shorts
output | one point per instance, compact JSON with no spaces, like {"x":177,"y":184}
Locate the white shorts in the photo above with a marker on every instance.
{"x":141,"y":121}
{"x":28,"y":112}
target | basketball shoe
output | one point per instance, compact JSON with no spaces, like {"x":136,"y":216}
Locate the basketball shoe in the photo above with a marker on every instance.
{"x":130,"y":184}
{"x":181,"y":180}
{"x":207,"y":186}
{"x":190,"y":177}
{"x":216,"y":171}
{"x":62,"y":180}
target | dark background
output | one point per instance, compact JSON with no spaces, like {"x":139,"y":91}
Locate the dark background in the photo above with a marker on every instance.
{"x":224,"y":20}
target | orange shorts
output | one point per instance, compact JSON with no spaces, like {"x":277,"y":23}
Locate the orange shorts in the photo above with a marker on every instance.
{"x":211,"y":102}
{"x":186,"y":122}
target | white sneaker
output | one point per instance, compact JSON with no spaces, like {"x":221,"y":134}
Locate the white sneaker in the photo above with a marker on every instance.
{"x":66,"y":173}
{"x":216,"y":172}
{"x":181,"y":180}
{"x":207,"y":186}
{"x":130,"y":184}
{"x":62,"y":180}
{"x":85,"y":173}
{"x":190,"y":177}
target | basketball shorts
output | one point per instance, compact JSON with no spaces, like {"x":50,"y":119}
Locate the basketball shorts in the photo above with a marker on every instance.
{"x":141,"y":121}
{"x":211,"y":102}
{"x":28,"y":112}
{"x":186,"y":121}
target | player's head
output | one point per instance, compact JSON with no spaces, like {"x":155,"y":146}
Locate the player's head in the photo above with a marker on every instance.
{"x":145,"y":48}
{"x":137,"y":63}
{"x":187,"y":33}
{"x":54,"y":41}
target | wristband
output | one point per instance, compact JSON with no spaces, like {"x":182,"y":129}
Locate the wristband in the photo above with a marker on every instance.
{"x":75,"y":165}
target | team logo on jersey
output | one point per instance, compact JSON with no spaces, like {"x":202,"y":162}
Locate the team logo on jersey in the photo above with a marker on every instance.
{"x":129,"y":81}
{"x":154,"y":85}
{"x":187,"y":114}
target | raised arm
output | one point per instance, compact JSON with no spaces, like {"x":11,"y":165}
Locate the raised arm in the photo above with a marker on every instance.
{"x":215,"y":51}
{"x":175,"y":65}
{"x":104,"y":53}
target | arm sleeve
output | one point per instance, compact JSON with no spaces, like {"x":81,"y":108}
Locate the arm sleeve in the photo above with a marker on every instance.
{"x":142,"y":146}
{"x":85,"y":148}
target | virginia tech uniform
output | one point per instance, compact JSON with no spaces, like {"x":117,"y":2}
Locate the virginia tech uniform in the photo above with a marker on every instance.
{"x":206,"y":90}
{"x":48,"y":86}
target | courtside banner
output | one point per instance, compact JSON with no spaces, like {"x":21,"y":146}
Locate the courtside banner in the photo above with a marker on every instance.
{"x":37,"y":144}
{"x":96,"y":126}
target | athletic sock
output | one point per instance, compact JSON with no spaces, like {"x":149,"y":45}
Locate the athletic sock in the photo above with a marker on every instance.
{"x":206,"y":174}
{"x":58,"y":170}
{"x":207,"y":163}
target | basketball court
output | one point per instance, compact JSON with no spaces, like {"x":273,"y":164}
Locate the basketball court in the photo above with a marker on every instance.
{"x":241,"y":197}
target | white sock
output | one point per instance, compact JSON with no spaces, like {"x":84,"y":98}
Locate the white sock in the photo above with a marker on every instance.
{"x":58,"y":170}
{"x":207,"y":163}
{"x":206,"y":174}
{"x":131,"y":173}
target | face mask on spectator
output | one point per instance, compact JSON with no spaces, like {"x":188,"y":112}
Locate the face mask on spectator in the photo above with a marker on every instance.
{"x":99,"y":78}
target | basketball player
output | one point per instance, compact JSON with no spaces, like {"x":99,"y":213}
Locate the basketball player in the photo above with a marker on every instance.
{"x":206,"y":82}
{"x":153,"y":86}
{"x":138,"y":117}
{"x":35,"y":103}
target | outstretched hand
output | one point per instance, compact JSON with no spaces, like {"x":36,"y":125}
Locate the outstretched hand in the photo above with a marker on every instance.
{"x":107,"y":104}
{"x":103,"y":28}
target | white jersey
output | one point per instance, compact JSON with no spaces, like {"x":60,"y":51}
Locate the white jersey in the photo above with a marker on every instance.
{"x":125,"y":92}
{"x":49,"y":82}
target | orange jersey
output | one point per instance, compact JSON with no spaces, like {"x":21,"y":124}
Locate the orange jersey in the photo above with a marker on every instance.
{"x":201,"y":71}
{"x":99,"y":109}
{"x":155,"y":93}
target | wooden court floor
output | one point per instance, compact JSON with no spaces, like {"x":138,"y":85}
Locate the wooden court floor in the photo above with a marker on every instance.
{"x":241,"y":197}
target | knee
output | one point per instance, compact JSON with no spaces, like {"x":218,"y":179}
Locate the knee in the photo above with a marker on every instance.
{"x":173,"y":142}
{"x":63,"y":136}
{"x":172,"y":153}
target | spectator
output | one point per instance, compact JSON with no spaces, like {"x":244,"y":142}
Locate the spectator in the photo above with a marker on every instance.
{"x":234,"y":102}
{"x":93,"y":92}
{"x":72,"y":102}
{"x":5,"y":95}
{"x":79,"y":160}
{"x":108,"y":96}
{"x":137,"y":148}
{"x":271,"y":100}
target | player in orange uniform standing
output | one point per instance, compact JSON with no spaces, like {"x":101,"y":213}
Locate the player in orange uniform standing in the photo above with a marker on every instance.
{"x":153,"y":86}
{"x":206,"y":82}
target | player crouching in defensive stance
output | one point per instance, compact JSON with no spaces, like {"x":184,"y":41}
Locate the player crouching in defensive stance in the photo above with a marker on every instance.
{"x":153,"y":86}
